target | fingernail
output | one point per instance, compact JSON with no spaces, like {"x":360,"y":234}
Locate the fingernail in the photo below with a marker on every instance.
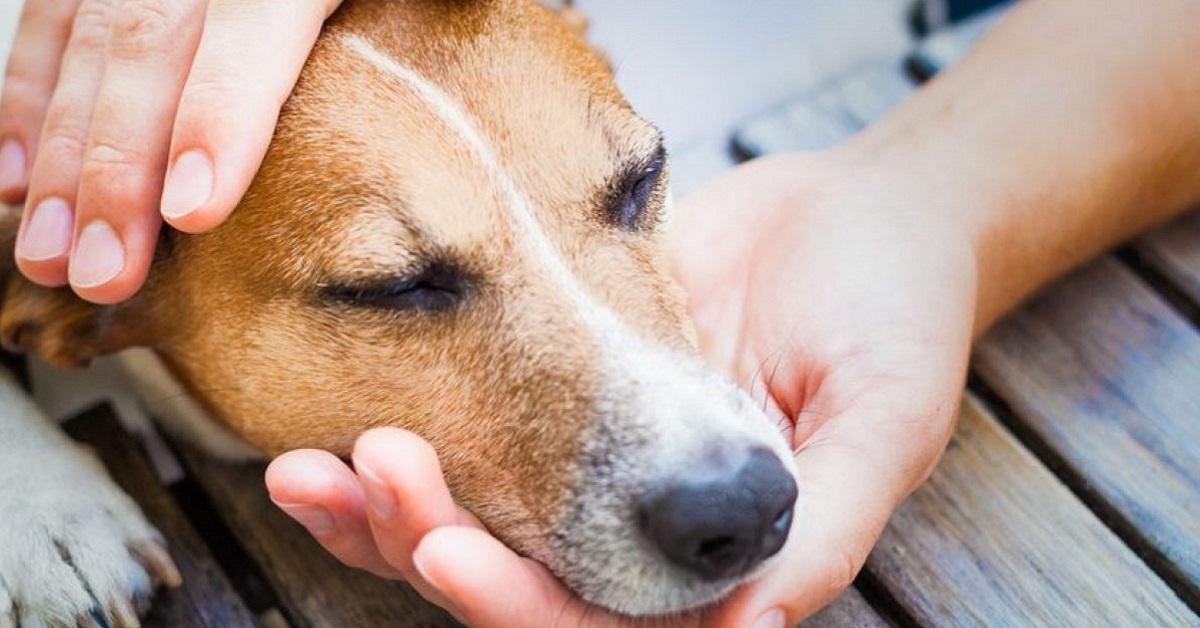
{"x":98,"y":257}
{"x":315,"y":519}
{"x":12,"y":165}
{"x":189,"y":184}
{"x":379,"y":495}
{"x":48,"y":232}
{"x":419,"y":565}
{"x":418,"y":561}
{"x":773,"y":618}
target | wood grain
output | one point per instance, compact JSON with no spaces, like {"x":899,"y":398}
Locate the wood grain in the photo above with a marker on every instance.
{"x":319,"y":592}
{"x":1103,"y":378}
{"x":206,"y":599}
{"x":994,"y":539}
{"x":315,"y":590}
{"x":851,"y":610}
{"x":1174,"y":251}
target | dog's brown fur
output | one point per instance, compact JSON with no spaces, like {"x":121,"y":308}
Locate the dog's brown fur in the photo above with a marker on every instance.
{"x":351,"y":190}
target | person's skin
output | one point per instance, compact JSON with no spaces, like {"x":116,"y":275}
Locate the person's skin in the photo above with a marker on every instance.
{"x":847,"y":287}
{"x":115,"y":110}
{"x":843,"y":288}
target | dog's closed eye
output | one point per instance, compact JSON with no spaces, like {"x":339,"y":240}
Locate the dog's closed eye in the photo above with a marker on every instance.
{"x":435,"y":287}
{"x":633,"y":191}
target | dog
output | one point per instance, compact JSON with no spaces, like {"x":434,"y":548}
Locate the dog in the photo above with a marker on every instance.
{"x":458,"y":230}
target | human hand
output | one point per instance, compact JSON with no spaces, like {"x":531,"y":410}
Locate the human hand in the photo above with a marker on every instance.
{"x":114,"y":110}
{"x":393,"y":516}
{"x":843,"y":297}
{"x":825,"y":289}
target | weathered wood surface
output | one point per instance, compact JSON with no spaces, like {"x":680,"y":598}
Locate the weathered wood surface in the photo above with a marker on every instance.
{"x":1174,"y":251}
{"x":318,"y":592}
{"x":994,"y":539}
{"x":315,"y":590}
{"x":206,"y":599}
{"x":851,"y":610}
{"x":1098,"y":377}
{"x":1103,"y":377}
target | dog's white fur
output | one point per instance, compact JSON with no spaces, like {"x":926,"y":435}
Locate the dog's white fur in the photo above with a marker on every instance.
{"x":657,"y":394}
{"x":70,"y":537}
{"x":651,"y":396}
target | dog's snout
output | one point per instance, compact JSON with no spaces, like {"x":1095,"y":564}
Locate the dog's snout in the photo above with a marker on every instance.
{"x":722,"y":522}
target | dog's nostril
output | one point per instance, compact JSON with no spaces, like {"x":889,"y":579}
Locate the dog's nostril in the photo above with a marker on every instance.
{"x":716,"y":549}
{"x":783,"y":522}
{"x":720,"y":523}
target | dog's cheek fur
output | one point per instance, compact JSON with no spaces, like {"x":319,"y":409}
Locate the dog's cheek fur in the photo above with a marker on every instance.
{"x":502,"y":387}
{"x":505,"y":422}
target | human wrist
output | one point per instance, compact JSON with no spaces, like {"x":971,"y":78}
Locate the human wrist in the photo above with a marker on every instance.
{"x":923,"y":196}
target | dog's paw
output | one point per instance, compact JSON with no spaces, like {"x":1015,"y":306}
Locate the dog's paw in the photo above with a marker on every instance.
{"x":74,"y":549}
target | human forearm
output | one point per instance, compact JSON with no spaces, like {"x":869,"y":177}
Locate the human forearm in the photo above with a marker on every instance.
{"x":1074,"y":126}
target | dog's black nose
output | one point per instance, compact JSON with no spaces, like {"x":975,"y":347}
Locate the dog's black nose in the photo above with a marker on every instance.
{"x":722,"y":522}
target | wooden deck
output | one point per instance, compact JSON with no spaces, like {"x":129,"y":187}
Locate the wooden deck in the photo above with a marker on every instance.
{"x":1069,"y":496}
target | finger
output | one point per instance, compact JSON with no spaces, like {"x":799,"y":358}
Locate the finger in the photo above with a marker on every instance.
{"x":407,"y":497}
{"x":488,"y":585}
{"x":150,"y":49}
{"x":47,"y":226}
{"x":321,"y":493}
{"x":37,"y":50}
{"x":824,"y":553}
{"x":245,"y":68}
{"x":406,"y":493}
{"x":850,"y":482}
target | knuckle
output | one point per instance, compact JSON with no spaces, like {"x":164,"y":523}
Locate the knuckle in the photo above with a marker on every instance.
{"x":209,"y":91}
{"x":113,"y":171}
{"x":39,"y":12}
{"x":143,"y":27}
{"x":841,"y":572}
{"x":90,"y":31}
{"x":62,"y":146}
{"x":22,"y":93}
{"x":67,"y":117}
{"x":109,"y":158}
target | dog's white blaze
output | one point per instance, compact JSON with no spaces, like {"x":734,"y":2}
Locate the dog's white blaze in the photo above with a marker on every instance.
{"x":668,"y":392}
{"x":453,"y":114}
{"x":661,"y":381}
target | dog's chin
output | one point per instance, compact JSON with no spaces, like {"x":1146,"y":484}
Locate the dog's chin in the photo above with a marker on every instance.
{"x":603,"y":558}
{"x":647,"y":592}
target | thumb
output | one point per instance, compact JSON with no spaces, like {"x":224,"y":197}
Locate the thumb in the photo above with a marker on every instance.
{"x":850,"y":481}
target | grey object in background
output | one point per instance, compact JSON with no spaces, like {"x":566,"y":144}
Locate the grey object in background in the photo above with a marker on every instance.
{"x":944,"y":47}
{"x":841,"y":107}
{"x":827,"y":115}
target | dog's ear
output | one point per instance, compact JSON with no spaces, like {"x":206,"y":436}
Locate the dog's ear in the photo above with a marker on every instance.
{"x":53,"y":323}
{"x":61,"y":328}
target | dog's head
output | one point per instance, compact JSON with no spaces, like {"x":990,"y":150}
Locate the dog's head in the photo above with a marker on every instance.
{"x":457,"y":231}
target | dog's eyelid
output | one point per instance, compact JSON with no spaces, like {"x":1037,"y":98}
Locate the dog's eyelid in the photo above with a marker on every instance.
{"x":634,"y":187}
{"x":434,"y":287}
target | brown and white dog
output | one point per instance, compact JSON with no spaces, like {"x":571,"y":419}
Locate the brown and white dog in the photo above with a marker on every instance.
{"x":457,"y":230}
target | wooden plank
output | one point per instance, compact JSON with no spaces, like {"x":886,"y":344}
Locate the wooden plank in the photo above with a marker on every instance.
{"x":319,"y":592}
{"x":1174,"y":251}
{"x":315,"y":590}
{"x":206,"y":599}
{"x":994,"y":539}
{"x":849,"y":610}
{"x":1102,"y":376}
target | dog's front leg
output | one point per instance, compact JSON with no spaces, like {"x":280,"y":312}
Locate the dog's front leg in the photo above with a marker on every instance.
{"x":73,"y":547}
